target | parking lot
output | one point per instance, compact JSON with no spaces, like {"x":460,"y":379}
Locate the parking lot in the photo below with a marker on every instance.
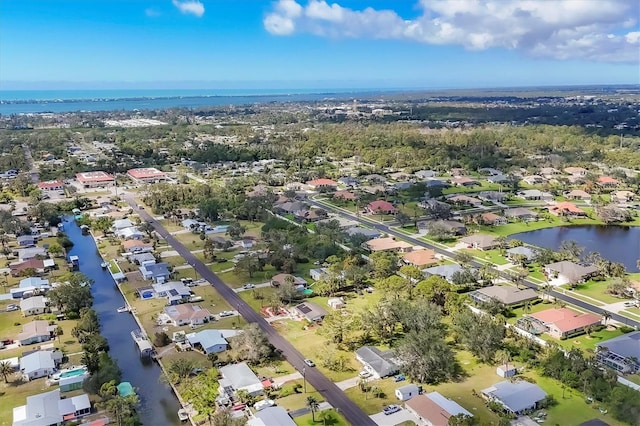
{"x":403,"y":415}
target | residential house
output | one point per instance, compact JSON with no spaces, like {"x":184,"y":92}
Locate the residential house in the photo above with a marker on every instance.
{"x":174,"y":291}
{"x":401,"y":186}
{"x":452,"y":227}
{"x":422,"y":257}
{"x":425,"y":174}
{"x":607,"y":182}
{"x":465,"y":200}
{"x":381,"y":207}
{"x":525,"y":251}
{"x":131,"y":233}
{"x":349,"y":181}
{"x":445,"y":271}
{"x":26,"y":240}
{"x":576,"y":171}
{"x":137,"y":246}
{"x":507,"y":295}
{"x":309,"y":311}
{"x":499,"y":179}
{"x":357,"y":230}
{"x":530,"y":194}
{"x":533,"y":179}
{"x":566,"y":208}
{"x":489,"y":171}
{"x":51,"y":185}
{"x":434,"y":206}
{"x":187,"y":314}
{"x":18,"y":268}
{"x":578,"y":194}
{"x":37,"y":364}
{"x":516,"y":397}
{"x":345,"y":195}
{"x":549,"y":172}
{"x":387,"y":244}
{"x":191,"y":224}
{"x":565,"y":272}
{"x":121,"y":224}
{"x":31,"y":253}
{"x":271,"y":416}
{"x":506,"y":370}
{"x":311,"y":215}
{"x":490,"y":218}
{"x":145,"y":258}
{"x":621,"y":353}
{"x":562,"y":323}
{"x":456,"y":171}
{"x":279,"y":279}
{"x":29,"y":287}
{"x":521,"y":213}
{"x":380,"y":364}
{"x":159,"y":272}
{"x":322,"y":184}
{"x":623,"y":196}
{"x":480,"y":241}
{"x":433,"y":409}
{"x":406,"y":392}
{"x":33,"y":305}
{"x":46,"y":409}
{"x":465,"y":181}
{"x":437,"y":183}
{"x":237,"y":377}
{"x":317,"y":274}
{"x":290,"y":207}
{"x":35,"y":332}
{"x":209,"y":341}
{"x":336,"y":303}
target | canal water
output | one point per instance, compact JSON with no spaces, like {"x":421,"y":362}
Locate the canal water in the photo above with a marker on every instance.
{"x":159,"y":406}
{"x":613,"y":242}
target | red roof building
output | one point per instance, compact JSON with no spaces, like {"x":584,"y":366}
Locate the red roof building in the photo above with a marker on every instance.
{"x":562,"y":323}
{"x":51,"y":185}
{"x":319,"y":183}
{"x":95,"y":179}
{"x":147,"y":174}
{"x":607,"y":181}
{"x":566,"y":208}
{"x":381,"y":207}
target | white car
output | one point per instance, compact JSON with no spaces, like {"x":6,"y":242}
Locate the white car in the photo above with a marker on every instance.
{"x":364,"y":374}
{"x":11,"y":308}
{"x":248,"y":286}
{"x":309,"y":362}
{"x":226,"y":313}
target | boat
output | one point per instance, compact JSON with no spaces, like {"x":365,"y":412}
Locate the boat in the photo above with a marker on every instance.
{"x":144,"y":345}
{"x":183,"y":415}
{"x":104,"y":265}
{"x":122,"y":309}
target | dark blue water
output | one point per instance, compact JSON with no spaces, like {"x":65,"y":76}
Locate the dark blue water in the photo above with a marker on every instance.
{"x":159,"y":406}
{"x":615,"y":243}
{"x":57,"y":101}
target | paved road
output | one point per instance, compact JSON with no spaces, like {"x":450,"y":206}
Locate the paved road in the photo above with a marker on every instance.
{"x":564,"y":297}
{"x":326,"y":387}
{"x":33,"y":171}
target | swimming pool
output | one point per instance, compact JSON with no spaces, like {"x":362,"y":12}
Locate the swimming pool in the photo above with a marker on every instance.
{"x":73,"y":373}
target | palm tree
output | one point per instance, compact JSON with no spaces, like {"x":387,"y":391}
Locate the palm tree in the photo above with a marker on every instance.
{"x":503,"y":357}
{"x":313,"y":405}
{"x":606,"y":316}
{"x":6,"y":370}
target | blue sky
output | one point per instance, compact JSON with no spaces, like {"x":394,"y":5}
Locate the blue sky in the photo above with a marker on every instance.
{"x":313,"y":43}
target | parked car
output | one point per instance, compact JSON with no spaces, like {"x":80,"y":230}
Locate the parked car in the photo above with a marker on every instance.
{"x":631,"y":304}
{"x":226,"y":313}
{"x":11,"y":308}
{"x":309,"y":362}
{"x":390,"y":409}
{"x":364,"y":374}
{"x":248,"y":286}
{"x":399,"y":378}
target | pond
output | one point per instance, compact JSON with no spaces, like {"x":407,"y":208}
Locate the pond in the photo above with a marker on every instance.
{"x":615,"y":243}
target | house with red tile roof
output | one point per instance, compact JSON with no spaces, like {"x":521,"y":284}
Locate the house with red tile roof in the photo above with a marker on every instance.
{"x":566,"y":208}
{"x":607,"y":182}
{"x":421,"y":257}
{"x":345,"y":195}
{"x":562,"y":323}
{"x":322,"y":183}
{"x":51,"y":185}
{"x":381,"y":207}
{"x":387,"y":244}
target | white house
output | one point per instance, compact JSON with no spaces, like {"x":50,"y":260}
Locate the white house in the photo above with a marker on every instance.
{"x":237,"y":377}
{"x":33,"y":305}
{"x":37,"y":364}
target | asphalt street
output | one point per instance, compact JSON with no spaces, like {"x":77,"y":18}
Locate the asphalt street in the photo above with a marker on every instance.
{"x":315,"y":378}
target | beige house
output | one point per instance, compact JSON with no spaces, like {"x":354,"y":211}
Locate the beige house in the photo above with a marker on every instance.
{"x":387,"y":244}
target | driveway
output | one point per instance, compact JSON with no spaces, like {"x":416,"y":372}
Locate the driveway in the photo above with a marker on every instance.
{"x":349,"y":383}
{"x":401,"y":416}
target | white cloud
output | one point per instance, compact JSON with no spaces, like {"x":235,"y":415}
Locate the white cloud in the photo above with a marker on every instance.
{"x":602,"y":30}
{"x":190,"y":7}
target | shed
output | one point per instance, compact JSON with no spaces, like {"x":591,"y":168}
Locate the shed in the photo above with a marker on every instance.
{"x":405,"y":393}
{"x":506,"y":370}
{"x":336,"y":303}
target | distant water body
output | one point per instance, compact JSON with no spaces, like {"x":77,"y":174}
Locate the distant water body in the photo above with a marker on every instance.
{"x":57,"y":101}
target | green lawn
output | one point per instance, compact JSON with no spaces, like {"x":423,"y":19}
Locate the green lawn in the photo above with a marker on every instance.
{"x":597,"y":290}
{"x":491,"y":256}
{"x":15,"y":393}
{"x":293,"y":400}
{"x":518,"y":227}
{"x":327,"y":417}
{"x":585,"y":342}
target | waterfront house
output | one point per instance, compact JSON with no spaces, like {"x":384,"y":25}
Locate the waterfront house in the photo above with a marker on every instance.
{"x":158,"y":272}
{"x":33,"y":305}
{"x":565,"y":272}
{"x":378,"y":363}
{"x":406,"y":392}
{"x":35,"y":332}
{"x":563,"y":323}
{"x":38,"y":364}
{"x":566,"y":209}
{"x":507,"y":295}
{"x":309,"y":311}
{"x":174,"y":291}
{"x":480,"y":241}
{"x":621,"y":353}
{"x":46,"y":409}
{"x":515,"y":397}
{"x":387,"y":244}
{"x":187,"y":314}
{"x":434,"y":409}
{"x":237,"y":377}
{"x":209,"y":341}
{"x":145,"y":258}
{"x":521,"y":213}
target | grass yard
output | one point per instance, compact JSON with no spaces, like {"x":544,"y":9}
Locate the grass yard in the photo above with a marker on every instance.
{"x":294,"y":400}
{"x":518,"y":227}
{"x":326,"y":417}
{"x":491,"y":256}
{"x":597,"y":290}
{"x":258,"y":297}
{"x":190,"y":241}
{"x":586,"y":342}
{"x":15,"y":393}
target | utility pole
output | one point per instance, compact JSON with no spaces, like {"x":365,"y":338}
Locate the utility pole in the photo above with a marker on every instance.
{"x":304,"y":378}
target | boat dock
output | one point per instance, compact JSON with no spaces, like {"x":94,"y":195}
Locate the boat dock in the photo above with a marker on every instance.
{"x":144,"y":345}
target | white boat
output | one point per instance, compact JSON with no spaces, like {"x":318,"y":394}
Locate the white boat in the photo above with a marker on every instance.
{"x":122,"y":309}
{"x":104,"y":265}
{"x":183,"y":415}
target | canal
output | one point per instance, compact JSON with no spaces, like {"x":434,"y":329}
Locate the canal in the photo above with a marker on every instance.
{"x":613,"y":242}
{"x":159,"y":406}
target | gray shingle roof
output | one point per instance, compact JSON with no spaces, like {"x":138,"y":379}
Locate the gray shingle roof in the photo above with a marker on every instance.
{"x":379,"y":361}
{"x":516,"y":396}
